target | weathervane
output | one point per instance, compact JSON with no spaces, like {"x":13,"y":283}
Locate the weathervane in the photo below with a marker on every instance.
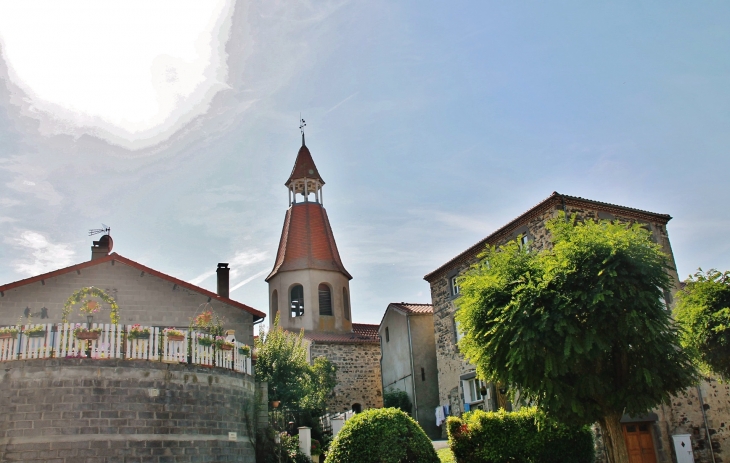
{"x":302,"y":124}
{"x":96,"y":231}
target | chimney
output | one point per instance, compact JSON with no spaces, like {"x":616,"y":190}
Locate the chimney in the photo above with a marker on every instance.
{"x":101,"y":248}
{"x":223,"y":280}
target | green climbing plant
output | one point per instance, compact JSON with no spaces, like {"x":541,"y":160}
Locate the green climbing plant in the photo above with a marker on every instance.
{"x":89,"y":306}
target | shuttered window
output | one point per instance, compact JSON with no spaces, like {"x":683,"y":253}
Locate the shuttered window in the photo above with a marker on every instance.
{"x":325,"y":300}
{"x":297,"y":300}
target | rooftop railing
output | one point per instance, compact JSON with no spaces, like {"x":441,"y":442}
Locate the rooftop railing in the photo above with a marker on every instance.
{"x":132,"y":342}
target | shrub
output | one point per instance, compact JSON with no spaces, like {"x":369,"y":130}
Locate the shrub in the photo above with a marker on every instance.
{"x":397,"y":399}
{"x":524,"y":436}
{"x":385,"y":435}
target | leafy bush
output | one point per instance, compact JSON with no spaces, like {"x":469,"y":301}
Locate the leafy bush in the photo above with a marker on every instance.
{"x":524,"y":436}
{"x":385,"y":435}
{"x":397,"y":399}
{"x":703,"y":312}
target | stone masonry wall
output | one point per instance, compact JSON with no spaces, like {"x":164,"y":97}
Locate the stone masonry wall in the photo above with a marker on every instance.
{"x":142,"y":298}
{"x":450,"y":362}
{"x":358,"y":374}
{"x":73,"y":410}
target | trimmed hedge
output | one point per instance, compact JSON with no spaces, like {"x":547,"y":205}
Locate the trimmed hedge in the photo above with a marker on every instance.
{"x":524,"y":436}
{"x":385,"y":435}
{"x":397,"y":399}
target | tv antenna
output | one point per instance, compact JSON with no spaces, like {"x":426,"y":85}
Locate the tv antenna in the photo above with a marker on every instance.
{"x":106,"y":230}
{"x":302,"y":123}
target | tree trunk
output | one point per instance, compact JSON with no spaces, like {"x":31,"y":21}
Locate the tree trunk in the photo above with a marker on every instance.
{"x":613,"y":438}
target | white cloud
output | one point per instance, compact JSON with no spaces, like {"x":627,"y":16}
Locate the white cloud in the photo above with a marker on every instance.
{"x":249,"y":279}
{"x":45,"y":256}
{"x":240,"y":261}
{"x":125,"y":70}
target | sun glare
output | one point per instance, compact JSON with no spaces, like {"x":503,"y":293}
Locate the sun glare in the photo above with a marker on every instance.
{"x":132,"y":65}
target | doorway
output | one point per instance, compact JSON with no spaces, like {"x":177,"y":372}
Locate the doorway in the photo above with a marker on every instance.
{"x":639,"y":442}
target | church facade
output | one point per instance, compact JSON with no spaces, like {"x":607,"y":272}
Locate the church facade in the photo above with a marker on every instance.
{"x":309,"y":289}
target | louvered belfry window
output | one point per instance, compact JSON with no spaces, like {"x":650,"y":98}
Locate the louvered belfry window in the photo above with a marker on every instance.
{"x":325,"y":300}
{"x":297,"y":301}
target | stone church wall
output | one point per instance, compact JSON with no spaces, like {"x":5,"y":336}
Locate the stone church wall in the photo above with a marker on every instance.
{"x":72,"y":410}
{"x":358,"y":374}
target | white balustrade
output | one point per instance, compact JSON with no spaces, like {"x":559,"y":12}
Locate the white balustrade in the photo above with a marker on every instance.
{"x":175,"y":351}
{"x":201,"y":355}
{"x":9,"y":346}
{"x":36,"y":346}
{"x":241,"y":363}
{"x":114,"y":342}
{"x":143,"y":348}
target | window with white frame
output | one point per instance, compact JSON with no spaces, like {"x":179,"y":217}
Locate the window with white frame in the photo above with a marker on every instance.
{"x":473,"y":389}
{"x":524,"y":242}
{"x":455,"y":285}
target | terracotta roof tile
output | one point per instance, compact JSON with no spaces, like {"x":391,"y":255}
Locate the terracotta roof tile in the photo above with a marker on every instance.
{"x":362,"y":334}
{"x":304,"y":167}
{"x":116,"y":257}
{"x":307,"y":242}
{"x":414,"y":308}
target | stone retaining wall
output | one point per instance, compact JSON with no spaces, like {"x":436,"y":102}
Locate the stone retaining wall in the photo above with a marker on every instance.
{"x":71,"y":410}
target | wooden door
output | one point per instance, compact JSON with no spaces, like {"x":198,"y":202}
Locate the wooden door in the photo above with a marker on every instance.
{"x":639,"y":443}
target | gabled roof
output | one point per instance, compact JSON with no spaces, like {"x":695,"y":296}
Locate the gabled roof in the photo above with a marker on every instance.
{"x":555,"y":199}
{"x":121,"y":259}
{"x":408,"y":308}
{"x":307,"y":242}
{"x":304,"y":167}
{"x":413,"y":307}
{"x":362,"y":333}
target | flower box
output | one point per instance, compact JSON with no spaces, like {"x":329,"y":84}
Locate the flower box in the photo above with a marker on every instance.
{"x":176,"y":337}
{"x":36,"y":334}
{"x":226,"y":347}
{"x":88,"y":335}
{"x":205,"y":342}
{"x":138,"y":332}
{"x":8,"y":335}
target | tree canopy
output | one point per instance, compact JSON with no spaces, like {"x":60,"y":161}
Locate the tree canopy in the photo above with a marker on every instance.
{"x":581,"y":328}
{"x":282,"y":362}
{"x":703,"y":312}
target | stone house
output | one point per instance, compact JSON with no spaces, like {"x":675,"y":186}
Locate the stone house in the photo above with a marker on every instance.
{"x":309,"y":288}
{"x":409,"y":359}
{"x":652,"y":435}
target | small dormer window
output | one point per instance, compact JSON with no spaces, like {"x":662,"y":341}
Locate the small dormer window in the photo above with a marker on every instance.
{"x":454,"y":285}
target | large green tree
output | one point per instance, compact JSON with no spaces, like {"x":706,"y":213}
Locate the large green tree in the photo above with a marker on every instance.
{"x":703,"y":312}
{"x":580,"y":329}
{"x":281,"y":360}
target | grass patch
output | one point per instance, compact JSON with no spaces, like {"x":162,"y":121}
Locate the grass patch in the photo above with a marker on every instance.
{"x":445,"y":455}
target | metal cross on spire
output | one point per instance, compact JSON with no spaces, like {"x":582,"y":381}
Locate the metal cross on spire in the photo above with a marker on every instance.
{"x":302,"y":124}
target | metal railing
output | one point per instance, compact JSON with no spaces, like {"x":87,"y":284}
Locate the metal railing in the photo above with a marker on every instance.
{"x":43,"y":341}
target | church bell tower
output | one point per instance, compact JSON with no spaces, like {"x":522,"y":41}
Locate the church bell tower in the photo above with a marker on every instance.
{"x":308,"y":286}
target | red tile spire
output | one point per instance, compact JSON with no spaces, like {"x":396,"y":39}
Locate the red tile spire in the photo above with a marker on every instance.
{"x":304,"y":166}
{"x":307,"y":241}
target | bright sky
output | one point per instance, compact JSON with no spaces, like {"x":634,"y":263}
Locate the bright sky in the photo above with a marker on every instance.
{"x":433,"y":124}
{"x":126,"y":64}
